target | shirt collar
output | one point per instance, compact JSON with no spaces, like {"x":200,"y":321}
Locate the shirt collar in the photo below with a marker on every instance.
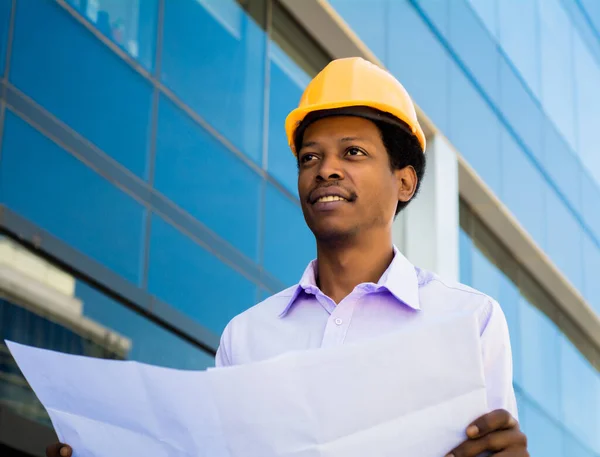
{"x":400,"y":279}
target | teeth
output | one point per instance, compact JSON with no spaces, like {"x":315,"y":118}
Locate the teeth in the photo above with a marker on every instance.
{"x":331,"y":198}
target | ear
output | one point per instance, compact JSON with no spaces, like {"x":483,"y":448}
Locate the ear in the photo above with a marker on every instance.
{"x":407,"y":183}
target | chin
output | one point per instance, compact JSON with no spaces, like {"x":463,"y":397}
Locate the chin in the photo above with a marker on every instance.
{"x":330,"y":233}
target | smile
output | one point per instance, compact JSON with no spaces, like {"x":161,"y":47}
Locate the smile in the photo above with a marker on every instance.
{"x":331,"y":198}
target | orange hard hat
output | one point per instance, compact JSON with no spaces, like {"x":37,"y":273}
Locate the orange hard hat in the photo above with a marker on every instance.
{"x":356,"y":82}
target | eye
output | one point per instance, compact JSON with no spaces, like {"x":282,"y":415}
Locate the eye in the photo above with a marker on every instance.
{"x":353,"y":151}
{"x":307,"y":158}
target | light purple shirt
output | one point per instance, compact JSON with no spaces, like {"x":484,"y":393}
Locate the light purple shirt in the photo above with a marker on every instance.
{"x":302,"y":317}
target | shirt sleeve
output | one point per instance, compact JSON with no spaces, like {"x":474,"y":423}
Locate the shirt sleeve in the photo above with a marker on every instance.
{"x":497,"y":361}
{"x":223,"y":358}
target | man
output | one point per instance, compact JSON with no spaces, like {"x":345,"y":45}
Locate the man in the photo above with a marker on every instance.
{"x":361,"y":158}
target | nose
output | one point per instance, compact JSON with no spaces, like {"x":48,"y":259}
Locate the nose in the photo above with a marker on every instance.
{"x":330,"y":169}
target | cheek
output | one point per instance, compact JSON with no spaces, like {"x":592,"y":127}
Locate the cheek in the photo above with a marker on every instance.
{"x":383,"y":194}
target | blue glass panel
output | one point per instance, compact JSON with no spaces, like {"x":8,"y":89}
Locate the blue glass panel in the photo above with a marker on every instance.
{"x":510,"y":301}
{"x":556,"y":70}
{"x":540,"y":368}
{"x":486,"y":276}
{"x":150,"y":343}
{"x":592,"y":8}
{"x":487,"y":10}
{"x":214,"y":60}
{"x":5,"y":8}
{"x":564,"y":237}
{"x":472,"y":42}
{"x":466,"y":258}
{"x":263,"y":294}
{"x":288,"y":243}
{"x":521,"y":111}
{"x":366,"y":19}
{"x":287,"y":81}
{"x":521,"y":406}
{"x":575,"y":448}
{"x":527,"y":204}
{"x":580,"y":393}
{"x":517,"y":21}
{"x":64,"y":68}
{"x":129,"y":24}
{"x":438,"y":13}
{"x":562,"y":165}
{"x":590,"y":196}
{"x":194,"y":281}
{"x":544,"y":436}
{"x":56,"y":191}
{"x":419,"y":61}
{"x":475,"y":131}
{"x":587,"y":77}
{"x":201,"y":175}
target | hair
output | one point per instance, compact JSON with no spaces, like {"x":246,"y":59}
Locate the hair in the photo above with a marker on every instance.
{"x":403,"y":148}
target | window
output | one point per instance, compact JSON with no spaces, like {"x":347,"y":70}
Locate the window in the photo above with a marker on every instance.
{"x":130,"y":24}
{"x":5,"y":11}
{"x":50,"y":308}
{"x":71,"y":201}
{"x":201,"y":175}
{"x":535,"y":304}
{"x":557,"y":385}
{"x":193,"y":280}
{"x":213,"y":59}
{"x":286,"y":236}
{"x":84,"y":83}
{"x":556,"y":35}
{"x":519,"y":37}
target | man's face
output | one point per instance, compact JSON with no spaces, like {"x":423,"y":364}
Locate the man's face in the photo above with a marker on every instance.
{"x":345,"y":182}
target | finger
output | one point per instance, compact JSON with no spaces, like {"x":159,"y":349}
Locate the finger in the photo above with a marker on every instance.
{"x":59,"y":450}
{"x":492,"y":442}
{"x":496,"y":420}
{"x":520,"y":452}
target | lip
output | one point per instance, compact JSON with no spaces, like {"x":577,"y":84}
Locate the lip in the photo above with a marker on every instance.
{"x":330,"y":191}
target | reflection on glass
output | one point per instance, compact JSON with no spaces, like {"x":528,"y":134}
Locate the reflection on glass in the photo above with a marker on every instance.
{"x":20,"y":324}
{"x":581,"y":393}
{"x":42,"y":306}
{"x":214,"y":58}
{"x":287,"y":82}
{"x":556,"y":34}
{"x":544,"y":437}
{"x":487,"y":10}
{"x":518,"y":35}
{"x":128,"y":23}
{"x":557,"y":388}
{"x":587,"y":78}
{"x":540,"y":369}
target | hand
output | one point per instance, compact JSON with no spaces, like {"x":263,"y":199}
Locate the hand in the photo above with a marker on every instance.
{"x":497,"y":432}
{"x":59,"y":450}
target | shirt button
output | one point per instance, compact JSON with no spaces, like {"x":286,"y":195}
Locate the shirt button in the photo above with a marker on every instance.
{"x":338,"y":321}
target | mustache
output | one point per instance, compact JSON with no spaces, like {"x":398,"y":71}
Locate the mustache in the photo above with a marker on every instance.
{"x":348,"y":194}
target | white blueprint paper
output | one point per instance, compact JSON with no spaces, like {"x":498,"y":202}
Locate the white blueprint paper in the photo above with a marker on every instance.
{"x":411,"y":393}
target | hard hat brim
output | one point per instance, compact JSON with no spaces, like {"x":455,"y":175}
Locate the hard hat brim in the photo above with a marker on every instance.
{"x":296,"y":116}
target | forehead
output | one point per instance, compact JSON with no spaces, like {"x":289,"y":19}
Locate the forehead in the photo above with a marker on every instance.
{"x":337,"y":127}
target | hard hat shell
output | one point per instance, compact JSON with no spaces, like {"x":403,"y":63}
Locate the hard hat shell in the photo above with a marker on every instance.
{"x":355,"y":82}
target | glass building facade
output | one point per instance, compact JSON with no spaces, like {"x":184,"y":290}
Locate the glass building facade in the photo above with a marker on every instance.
{"x":143,"y":160}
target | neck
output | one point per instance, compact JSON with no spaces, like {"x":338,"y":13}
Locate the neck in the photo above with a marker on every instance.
{"x":341,"y":267}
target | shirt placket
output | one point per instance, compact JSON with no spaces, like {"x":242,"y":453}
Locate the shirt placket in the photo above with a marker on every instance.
{"x":339,"y":322}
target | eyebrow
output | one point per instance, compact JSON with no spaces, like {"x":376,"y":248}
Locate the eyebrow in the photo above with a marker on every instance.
{"x":346,"y":139}
{"x":307,"y":144}
{"x":351,"y":138}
